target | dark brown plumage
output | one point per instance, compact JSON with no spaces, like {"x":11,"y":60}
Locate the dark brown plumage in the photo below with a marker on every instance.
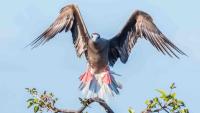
{"x":139,"y":25}
{"x":100,"y":52}
{"x":68,"y":19}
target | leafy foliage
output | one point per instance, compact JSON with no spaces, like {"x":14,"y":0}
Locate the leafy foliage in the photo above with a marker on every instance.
{"x":167,"y":102}
{"x":39,"y":102}
{"x":130,"y":110}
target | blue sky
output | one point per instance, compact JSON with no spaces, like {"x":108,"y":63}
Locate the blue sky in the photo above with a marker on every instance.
{"x":55,"y":67}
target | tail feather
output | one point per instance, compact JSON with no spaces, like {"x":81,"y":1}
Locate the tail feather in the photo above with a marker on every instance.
{"x":114,"y":88}
{"x":94,"y":86}
{"x":99,"y":85}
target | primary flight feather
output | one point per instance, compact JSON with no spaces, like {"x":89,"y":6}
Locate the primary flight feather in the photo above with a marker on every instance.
{"x":98,"y":79}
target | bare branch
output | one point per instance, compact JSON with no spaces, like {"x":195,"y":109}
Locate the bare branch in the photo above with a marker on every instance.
{"x":85,"y":103}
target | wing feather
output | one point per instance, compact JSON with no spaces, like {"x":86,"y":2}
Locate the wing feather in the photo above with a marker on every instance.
{"x":139,"y":25}
{"x":69,"y":19}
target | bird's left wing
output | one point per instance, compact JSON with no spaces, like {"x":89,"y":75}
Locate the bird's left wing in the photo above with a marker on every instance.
{"x":139,"y":25}
{"x":69,"y":19}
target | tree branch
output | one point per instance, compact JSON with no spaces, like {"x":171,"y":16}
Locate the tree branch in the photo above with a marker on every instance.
{"x":85,"y":103}
{"x":163,"y":107}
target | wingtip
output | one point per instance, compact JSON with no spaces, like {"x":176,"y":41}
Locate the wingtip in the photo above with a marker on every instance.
{"x":35,"y":43}
{"x":31,"y":46}
{"x":185,"y":55}
{"x":182,"y":53}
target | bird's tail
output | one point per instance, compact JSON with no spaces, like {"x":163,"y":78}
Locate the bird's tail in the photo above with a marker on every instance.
{"x":99,"y":85}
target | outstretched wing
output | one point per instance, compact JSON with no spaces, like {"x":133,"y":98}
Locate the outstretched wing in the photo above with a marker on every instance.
{"x":68,"y":19}
{"x":139,"y":25}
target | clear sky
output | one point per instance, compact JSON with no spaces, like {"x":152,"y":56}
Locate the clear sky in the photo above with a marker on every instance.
{"x":55,"y":67}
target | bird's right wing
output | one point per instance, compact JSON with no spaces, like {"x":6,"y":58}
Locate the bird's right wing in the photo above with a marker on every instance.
{"x":68,"y":19}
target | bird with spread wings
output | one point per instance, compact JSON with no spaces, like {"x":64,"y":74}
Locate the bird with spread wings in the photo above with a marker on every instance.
{"x":100,"y":53}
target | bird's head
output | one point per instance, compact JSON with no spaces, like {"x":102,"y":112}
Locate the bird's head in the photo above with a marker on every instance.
{"x":95,"y":37}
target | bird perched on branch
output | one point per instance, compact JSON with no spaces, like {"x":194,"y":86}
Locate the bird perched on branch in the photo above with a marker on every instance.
{"x":98,"y":79}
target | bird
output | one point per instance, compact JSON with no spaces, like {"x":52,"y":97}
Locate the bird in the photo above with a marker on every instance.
{"x":101,"y":54}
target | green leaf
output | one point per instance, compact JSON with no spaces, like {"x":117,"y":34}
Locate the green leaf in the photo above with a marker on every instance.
{"x":172,"y":86}
{"x":27,"y":89}
{"x":147,"y":102}
{"x":29,"y":100}
{"x":36,"y":100}
{"x":173,"y":95}
{"x":30,"y":104}
{"x":181,"y":103}
{"x":33,"y":91}
{"x":166,"y":98}
{"x":51,"y":94}
{"x":186,"y":110}
{"x":36,"y":108}
{"x":130,"y":110}
{"x":155,"y":100}
{"x":153,"y":105}
{"x":162,"y":92}
{"x":175,"y":107}
{"x":41,"y":103}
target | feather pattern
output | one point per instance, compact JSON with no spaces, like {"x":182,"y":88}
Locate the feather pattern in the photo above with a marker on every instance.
{"x":69,"y":19}
{"x":100,"y":85}
{"x":139,"y":25}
